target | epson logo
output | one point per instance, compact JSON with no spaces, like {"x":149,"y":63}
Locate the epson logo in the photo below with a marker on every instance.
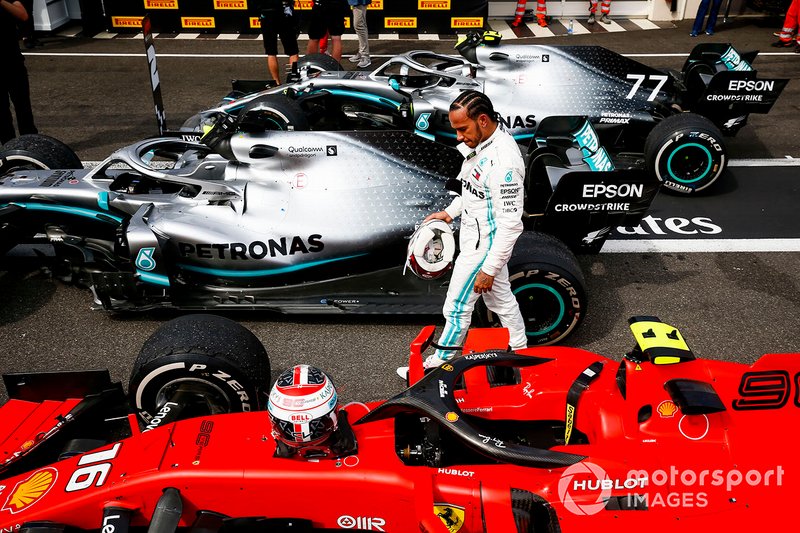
{"x":751,"y":85}
{"x":624,"y":190}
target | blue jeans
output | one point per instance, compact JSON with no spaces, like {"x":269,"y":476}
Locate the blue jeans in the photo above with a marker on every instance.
{"x":701,"y":14}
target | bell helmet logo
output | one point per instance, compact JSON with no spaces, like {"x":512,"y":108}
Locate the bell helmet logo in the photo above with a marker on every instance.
{"x":301,"y":418}
{"x":581,"y":480}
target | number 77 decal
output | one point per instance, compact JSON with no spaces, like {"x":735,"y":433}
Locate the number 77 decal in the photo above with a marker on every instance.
{"x":640,"y":78}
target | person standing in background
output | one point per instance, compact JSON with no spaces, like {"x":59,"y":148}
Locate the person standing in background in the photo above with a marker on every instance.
{"x":278,"y":19}
{"x":360,"y":25}
{"x":789,"y":34}
{"x":26,"y":30}
{"x":702,"y":9}
{"x":14,"y":82}
{"x":605,"y":9}
{"x":541,"y":13}
{"x":327,"y":16}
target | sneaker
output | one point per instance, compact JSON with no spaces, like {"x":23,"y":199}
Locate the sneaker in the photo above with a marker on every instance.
{"x":693,"y":34}
{"x":542,"y":20}
{"x":605,"y":20}
{"x":591,"y":19}
{"x":364,"y":63}
{"x":782,"y":44}
{"x":402,"y":371}
{"x":355,"y":58}
{"x":709,"y":32}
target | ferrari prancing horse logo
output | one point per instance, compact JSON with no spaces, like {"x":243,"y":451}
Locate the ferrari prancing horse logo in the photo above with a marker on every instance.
{"x":450,"y":515}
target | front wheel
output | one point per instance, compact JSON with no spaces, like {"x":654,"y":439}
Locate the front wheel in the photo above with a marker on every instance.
{"x":686,"y":152}
{"x":36,"y":152}
{"x":211,"y":362}
{"x":548,"y":283}
{"x":319,"y":63}
{"x":272,"y":112}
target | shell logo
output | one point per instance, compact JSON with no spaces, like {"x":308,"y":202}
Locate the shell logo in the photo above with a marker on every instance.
{"x":667,"y":409}
{"x":29,"y":491}
{"x":451,"y":417}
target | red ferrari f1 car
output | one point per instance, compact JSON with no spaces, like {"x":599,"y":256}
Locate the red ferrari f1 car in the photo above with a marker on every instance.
{"x":546,"y":439}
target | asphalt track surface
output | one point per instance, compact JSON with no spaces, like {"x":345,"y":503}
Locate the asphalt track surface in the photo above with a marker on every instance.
{"x":731,"y":300}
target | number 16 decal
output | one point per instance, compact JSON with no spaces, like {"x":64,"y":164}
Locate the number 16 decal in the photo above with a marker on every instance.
{"x":94,"y":469}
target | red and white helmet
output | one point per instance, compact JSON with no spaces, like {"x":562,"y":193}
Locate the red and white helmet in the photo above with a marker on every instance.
{"x":302,"y":407}
{"x":431,"y":250}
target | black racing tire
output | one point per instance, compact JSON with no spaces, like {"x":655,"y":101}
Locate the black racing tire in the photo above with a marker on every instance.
{"x":213,"y":356}
{"x":700,"y":150}
{"x":36,"y":151}
{"x":273,"y":112}
{"x":319,"y":63}
{"x":548,"y":282}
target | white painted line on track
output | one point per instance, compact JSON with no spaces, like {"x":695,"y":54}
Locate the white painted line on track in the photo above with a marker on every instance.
{"x":791,"y":162}
{"x":577,"y":28}
{"x":502,"y":28}
{"x":645,"y":24}
{"x":613,"y":27}
{"x":700,"y":246}
{"x":540,"y":31}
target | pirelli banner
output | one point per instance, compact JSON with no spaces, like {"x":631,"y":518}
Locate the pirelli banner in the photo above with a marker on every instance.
{"x":242,"y":16}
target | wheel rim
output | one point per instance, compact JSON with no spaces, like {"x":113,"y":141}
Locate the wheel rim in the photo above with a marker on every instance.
{"x":21,"y":162}
{"x":211,"y":393}
{"x":694,"y":159}
{"x":542,"y":308}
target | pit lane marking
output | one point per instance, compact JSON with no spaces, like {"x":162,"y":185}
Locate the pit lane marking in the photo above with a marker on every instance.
{"x":613,"y":246}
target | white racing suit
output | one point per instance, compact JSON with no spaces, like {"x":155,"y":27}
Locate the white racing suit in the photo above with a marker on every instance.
{"x":490,"y":206}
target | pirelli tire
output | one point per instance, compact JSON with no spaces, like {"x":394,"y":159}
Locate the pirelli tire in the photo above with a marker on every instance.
{"x":549,"y":286}
{"x":273,"y":112}
{"x":319,"y":63}
{"x":221,"y":361}
{"x":36,"y":151}
{"x":686,"y":152}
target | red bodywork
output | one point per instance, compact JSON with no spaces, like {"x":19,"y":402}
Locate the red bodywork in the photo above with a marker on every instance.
{"x":733,"y":469}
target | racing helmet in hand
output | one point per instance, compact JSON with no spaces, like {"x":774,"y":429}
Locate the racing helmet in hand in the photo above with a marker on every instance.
{"x":431,"y":250}
{"x":302,"y":407}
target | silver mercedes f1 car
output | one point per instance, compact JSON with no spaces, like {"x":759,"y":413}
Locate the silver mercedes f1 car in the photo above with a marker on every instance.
{"x":301,"y":221}
{"x":669,"y":123}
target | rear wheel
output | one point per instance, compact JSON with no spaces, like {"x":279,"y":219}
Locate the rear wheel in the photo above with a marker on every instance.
{"x":211,"y":360}
{"x":37,"y":152}
{"x":548,"y":283}
{"x":686,"y":152}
